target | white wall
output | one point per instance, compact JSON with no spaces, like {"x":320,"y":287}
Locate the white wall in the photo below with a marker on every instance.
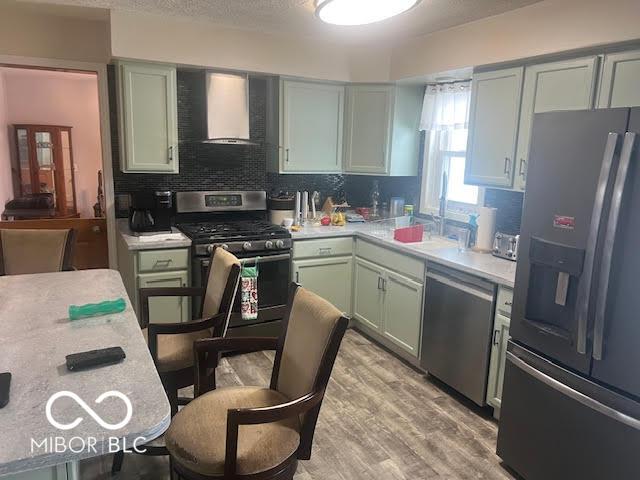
{"x":59,"y":98}
{"x":6,"y":187}
{"x":32,"y":33}
{"x":547,"y":27}
{"x":189,"y":42}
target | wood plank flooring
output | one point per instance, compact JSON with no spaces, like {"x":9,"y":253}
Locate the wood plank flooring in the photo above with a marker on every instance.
{"x":380,"y":420}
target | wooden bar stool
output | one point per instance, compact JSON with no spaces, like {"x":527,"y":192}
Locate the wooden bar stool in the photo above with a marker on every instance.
{"x":258,"y":432}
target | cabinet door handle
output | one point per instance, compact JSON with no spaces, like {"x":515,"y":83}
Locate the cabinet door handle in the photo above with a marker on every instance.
{"x":171,"y":153}
{"x":495,"y":337}
{"x":297,"y":277}
{"x":324,"y":251}
{"x":384,"y":285}
{"x":379,"y":283}
{"x":522,"y":169}
{"x":286,"y":155}
{"x":507,"y":166}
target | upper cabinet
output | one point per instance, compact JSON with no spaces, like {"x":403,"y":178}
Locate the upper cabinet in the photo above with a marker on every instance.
{"x":493,"y":127}
{"x":620,"y":76}
{"x":148,"y":118}
{"x":567,"y":85}
{"x":381,"y":129}
{"x":311,"y":127}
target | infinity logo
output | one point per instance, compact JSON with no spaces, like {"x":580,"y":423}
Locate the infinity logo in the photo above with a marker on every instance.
{"x":89,"y":410}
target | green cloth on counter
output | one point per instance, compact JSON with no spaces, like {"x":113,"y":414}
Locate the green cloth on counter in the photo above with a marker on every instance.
{"x":77,"y":312}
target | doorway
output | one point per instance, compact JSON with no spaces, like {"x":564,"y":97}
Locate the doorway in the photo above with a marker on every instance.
{"x":55,"y":156}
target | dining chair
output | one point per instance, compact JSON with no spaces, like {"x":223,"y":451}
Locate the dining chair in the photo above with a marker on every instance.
{"x":25,"y":251}
{"x":253,"y":432}
{"x":171,"y":344}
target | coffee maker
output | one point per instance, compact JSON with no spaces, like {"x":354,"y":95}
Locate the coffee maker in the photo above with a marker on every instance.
{"x":151,"y":211}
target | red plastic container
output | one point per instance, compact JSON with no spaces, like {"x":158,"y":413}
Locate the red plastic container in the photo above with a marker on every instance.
{"x":409,"y":234}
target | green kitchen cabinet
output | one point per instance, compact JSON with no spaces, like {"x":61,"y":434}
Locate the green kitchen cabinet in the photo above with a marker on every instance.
{"x":493,"y":127}
{"x":311,"y":127}
{"x":368,"y":296}
{"x":382,"y":129}
{"x":403,"y":311}
{"x":166,"y":309}
{"x":328,"y":277}
{"x":497,"y":363}
{"x":566,"y":85}
{"x":148,"y":118}
{"x":619,"y":83}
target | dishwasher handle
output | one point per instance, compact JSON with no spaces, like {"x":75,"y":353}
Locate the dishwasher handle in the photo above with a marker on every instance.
{"x":469,"y":288}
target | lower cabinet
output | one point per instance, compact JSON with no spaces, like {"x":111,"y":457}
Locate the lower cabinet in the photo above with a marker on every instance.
{"x":403,"y":311}
{"x":499,"y":351}
{"x":389,"y":304}
{"x":367,"y":294}
{"x":166,"y":309}
{"x":168,"y":267}
{"x":329,"y":277}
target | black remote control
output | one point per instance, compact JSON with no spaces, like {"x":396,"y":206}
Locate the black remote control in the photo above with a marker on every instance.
{"x":94,"y":358}
{"x":5,"y":383}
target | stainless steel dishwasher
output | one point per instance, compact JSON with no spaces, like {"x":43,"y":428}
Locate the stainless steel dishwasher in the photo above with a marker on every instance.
{"x":456,"y":334}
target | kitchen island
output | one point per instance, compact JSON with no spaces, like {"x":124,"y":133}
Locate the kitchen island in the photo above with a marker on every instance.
{"x":36,"y":336}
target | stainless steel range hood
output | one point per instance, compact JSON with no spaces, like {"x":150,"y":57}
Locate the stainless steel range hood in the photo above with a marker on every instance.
{"x":227,"y":109}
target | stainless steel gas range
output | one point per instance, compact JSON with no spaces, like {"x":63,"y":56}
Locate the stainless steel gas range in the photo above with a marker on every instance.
{"x":236,"y":221}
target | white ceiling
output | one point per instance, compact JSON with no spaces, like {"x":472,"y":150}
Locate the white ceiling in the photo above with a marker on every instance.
{"x":297,"y":16}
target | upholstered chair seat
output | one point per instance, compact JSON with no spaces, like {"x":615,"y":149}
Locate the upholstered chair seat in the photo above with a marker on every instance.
{"x":197,"y":435}
{"x":175,"y":351}
{"x":24,"y":251}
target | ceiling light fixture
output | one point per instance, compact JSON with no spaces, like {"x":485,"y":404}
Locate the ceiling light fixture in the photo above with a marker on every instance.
{"x":360,"y":12}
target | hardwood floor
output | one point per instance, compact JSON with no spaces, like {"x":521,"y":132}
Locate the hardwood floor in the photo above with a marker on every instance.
{"x":380,"y":420}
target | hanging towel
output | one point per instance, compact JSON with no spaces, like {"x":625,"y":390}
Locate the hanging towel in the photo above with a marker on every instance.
{"x":249,"y":293}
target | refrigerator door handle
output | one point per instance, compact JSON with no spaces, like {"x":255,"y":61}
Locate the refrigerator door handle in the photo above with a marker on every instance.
{"x":609,"y":242}
{"x":584,"y":289}
{"x":573,"y":394}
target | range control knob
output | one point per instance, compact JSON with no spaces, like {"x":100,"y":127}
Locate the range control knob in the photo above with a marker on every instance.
{"x":224,"y":246}
{"x":279,"y":243}
{"x":246,"y":246}
{"x":209,"y":248}
{"x":268,"y":244}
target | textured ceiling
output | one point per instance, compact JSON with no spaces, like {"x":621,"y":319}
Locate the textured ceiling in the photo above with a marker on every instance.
{"x":297,"y":16}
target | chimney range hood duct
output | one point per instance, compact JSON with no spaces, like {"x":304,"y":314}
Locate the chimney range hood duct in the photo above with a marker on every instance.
{"x":227,"y":109}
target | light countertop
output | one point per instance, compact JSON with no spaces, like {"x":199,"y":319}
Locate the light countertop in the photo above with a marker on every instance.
{"x":152,"y":241}
{"x":37,"y":335}
{"x":438,"y":250}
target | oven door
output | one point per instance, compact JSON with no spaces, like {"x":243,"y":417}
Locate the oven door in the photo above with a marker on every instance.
{"x":274,"y":272}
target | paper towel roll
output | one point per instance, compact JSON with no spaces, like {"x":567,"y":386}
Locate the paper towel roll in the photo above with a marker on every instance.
{"x":486,"y":228}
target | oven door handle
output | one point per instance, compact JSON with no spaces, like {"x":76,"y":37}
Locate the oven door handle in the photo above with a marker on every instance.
{"x":267,"y":259}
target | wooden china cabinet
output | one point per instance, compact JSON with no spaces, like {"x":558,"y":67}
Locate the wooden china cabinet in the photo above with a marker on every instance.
{"x":45,"y":164}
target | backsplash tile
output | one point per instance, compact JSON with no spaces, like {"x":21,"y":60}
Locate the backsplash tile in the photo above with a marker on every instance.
{"x":509,"y":205}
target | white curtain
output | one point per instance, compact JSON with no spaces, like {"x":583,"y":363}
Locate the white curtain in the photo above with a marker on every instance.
{"x":446,"y":106}
{"x":445,"y":110}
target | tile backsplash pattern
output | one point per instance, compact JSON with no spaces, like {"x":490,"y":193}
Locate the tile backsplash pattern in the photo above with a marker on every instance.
{"x":509,"y":205}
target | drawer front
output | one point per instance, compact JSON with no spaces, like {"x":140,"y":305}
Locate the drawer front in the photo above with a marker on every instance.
{"x":163,"y":260}
{"x":407,"y":265}
{"x":323,"y":247}
{"x":505,"y":300}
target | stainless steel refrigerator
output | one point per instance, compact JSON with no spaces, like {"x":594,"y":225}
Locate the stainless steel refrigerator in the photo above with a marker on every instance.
{"x":571,"y":399}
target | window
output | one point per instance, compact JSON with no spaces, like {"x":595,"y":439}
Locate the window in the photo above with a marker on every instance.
{"x":445,"y":122}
